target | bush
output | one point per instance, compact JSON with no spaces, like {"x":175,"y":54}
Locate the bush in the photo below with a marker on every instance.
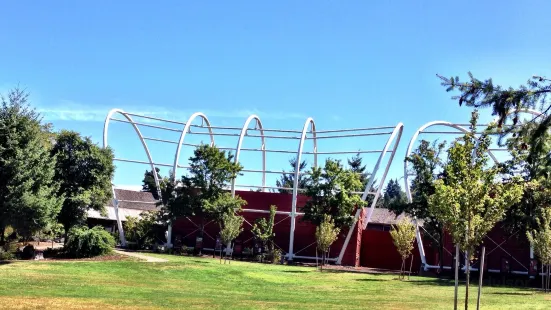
{"x":53,"y":253}
{"x":85,"y":242}
{"x":28,"y":252}
{"x":7,"y":251}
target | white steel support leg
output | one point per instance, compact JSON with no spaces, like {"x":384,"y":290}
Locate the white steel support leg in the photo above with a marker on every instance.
{"x":396,"y":133}
{"x":169,"y":235}
{"x":420,"y":246}
{"x":119,"y":222}
{"x":293,"y":214}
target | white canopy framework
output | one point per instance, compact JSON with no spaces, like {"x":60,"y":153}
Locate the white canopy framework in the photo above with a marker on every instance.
{"x":461,"y":129}
{"x":308,"y":132}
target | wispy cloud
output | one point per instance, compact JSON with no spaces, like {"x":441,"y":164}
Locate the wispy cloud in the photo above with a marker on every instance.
{"x":70,"y":111}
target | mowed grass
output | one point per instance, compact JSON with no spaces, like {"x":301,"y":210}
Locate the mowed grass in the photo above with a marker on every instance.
{"x":193,"y":283}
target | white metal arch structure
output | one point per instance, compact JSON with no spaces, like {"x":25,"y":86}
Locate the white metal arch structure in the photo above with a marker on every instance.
{"x":407,"y":182}
{"x":309,"y":122}
{"x":146,"y":149}
{"x":183,"y":136}
{"x":396,"y":134}
{"x":263,"y":149}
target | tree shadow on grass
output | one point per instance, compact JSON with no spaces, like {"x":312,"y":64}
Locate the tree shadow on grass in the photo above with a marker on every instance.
{"x":6,"y":262}
{"x":296,"y":271}
{"x":522,"y":293}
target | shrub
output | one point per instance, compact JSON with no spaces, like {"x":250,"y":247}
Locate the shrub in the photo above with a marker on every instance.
{"x":28,"y":252}
{"x":7,"y":251}
{"x":85,"y":242}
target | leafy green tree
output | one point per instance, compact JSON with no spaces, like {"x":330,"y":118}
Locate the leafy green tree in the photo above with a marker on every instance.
{"x":264,"y":230}
{"x":426,"y":166}
{"x":27,"y":185}
{"x":470,"y":201}
{"x":287,"y":179}
{"x":326,"y":234}
{"x":508,"y":103}
{"x":231,"y":228}
{"x":393,"y":194}
{"x":203,"y":192}
{"x":330,"y":192}
{"x":540,"y":239}
{"x":84,"y":171}
{"x":141,"y":230}
{"x":403,"y":236}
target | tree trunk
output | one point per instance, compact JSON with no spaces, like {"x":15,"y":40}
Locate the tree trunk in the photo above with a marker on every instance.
{"x":410,"y":266}
{"x":441,"y":252}
{"x":467,"y":278}
{"x":322,"y":261}
{"x":456,"y":277}
{"x":2,"y":232}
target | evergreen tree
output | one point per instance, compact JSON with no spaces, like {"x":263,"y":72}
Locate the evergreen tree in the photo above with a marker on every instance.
{"x":393,"y":194}
{"x":508,"y":103}
{"x":167,"y":185}
{"x":356,"y":166}
{"x":288,"y":179}
{"x":27,"y":187}
{"x":84,"y":171}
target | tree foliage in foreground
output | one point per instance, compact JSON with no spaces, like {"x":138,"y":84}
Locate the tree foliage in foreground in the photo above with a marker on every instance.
{"x":264,"y":230}
{"x":326,"y":233}
{"x":471,"y":199}
{"x":142,"y":230}
{"x":330,"y":192}
{"x":231,"y":228}
{"x":28,"y":190}
{"x":426,"y":166}
{"x":84,"y":171}
{"x":403,"y":236}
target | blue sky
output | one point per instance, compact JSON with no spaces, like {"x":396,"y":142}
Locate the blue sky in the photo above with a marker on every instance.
{"x":347,"y":64}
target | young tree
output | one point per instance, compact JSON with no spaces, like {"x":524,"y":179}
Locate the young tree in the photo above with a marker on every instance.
{"x":231,"y":229}
{"x":203,"y":192}
{"x":426,"y":168}
{"x":540,"y":240}
{"x":326,"y":234}
{"x":287,"y":179}
{"x":471,"y":200}
{"x":84,"y":171}
{"x":264,"y":230}
{"x":403,"y":236}
{"x":329,"y":190}
{"x":27,"y":187}
{"x":507,"y":103}
{"x":393,"y":194}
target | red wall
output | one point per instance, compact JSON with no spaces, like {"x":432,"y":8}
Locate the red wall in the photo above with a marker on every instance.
{"x":368,"y":248}
{"x":304,"y":243}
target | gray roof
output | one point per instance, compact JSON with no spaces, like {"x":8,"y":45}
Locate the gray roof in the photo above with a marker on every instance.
{"x":385,"y":216}
{"x":136,"y":200}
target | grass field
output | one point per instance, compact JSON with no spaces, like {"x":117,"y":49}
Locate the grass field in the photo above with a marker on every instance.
{"x":186,"y":282}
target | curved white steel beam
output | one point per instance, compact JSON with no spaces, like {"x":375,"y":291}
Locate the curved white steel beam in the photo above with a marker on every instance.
{"x":309,"y":122}
{"x":146,"y":149}
{"x":238,"y":149}
{"x":396,"y":134}
{"x":183,"y":136}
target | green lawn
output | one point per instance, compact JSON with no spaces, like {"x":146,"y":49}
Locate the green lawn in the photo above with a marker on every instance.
{"x":187,"y":282}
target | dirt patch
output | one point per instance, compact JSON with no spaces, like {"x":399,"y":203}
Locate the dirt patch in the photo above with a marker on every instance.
{"x":17,"y":302}
{"x":110,"y":257}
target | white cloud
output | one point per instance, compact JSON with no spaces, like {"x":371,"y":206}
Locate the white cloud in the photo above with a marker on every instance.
{"x":70,"y":111}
